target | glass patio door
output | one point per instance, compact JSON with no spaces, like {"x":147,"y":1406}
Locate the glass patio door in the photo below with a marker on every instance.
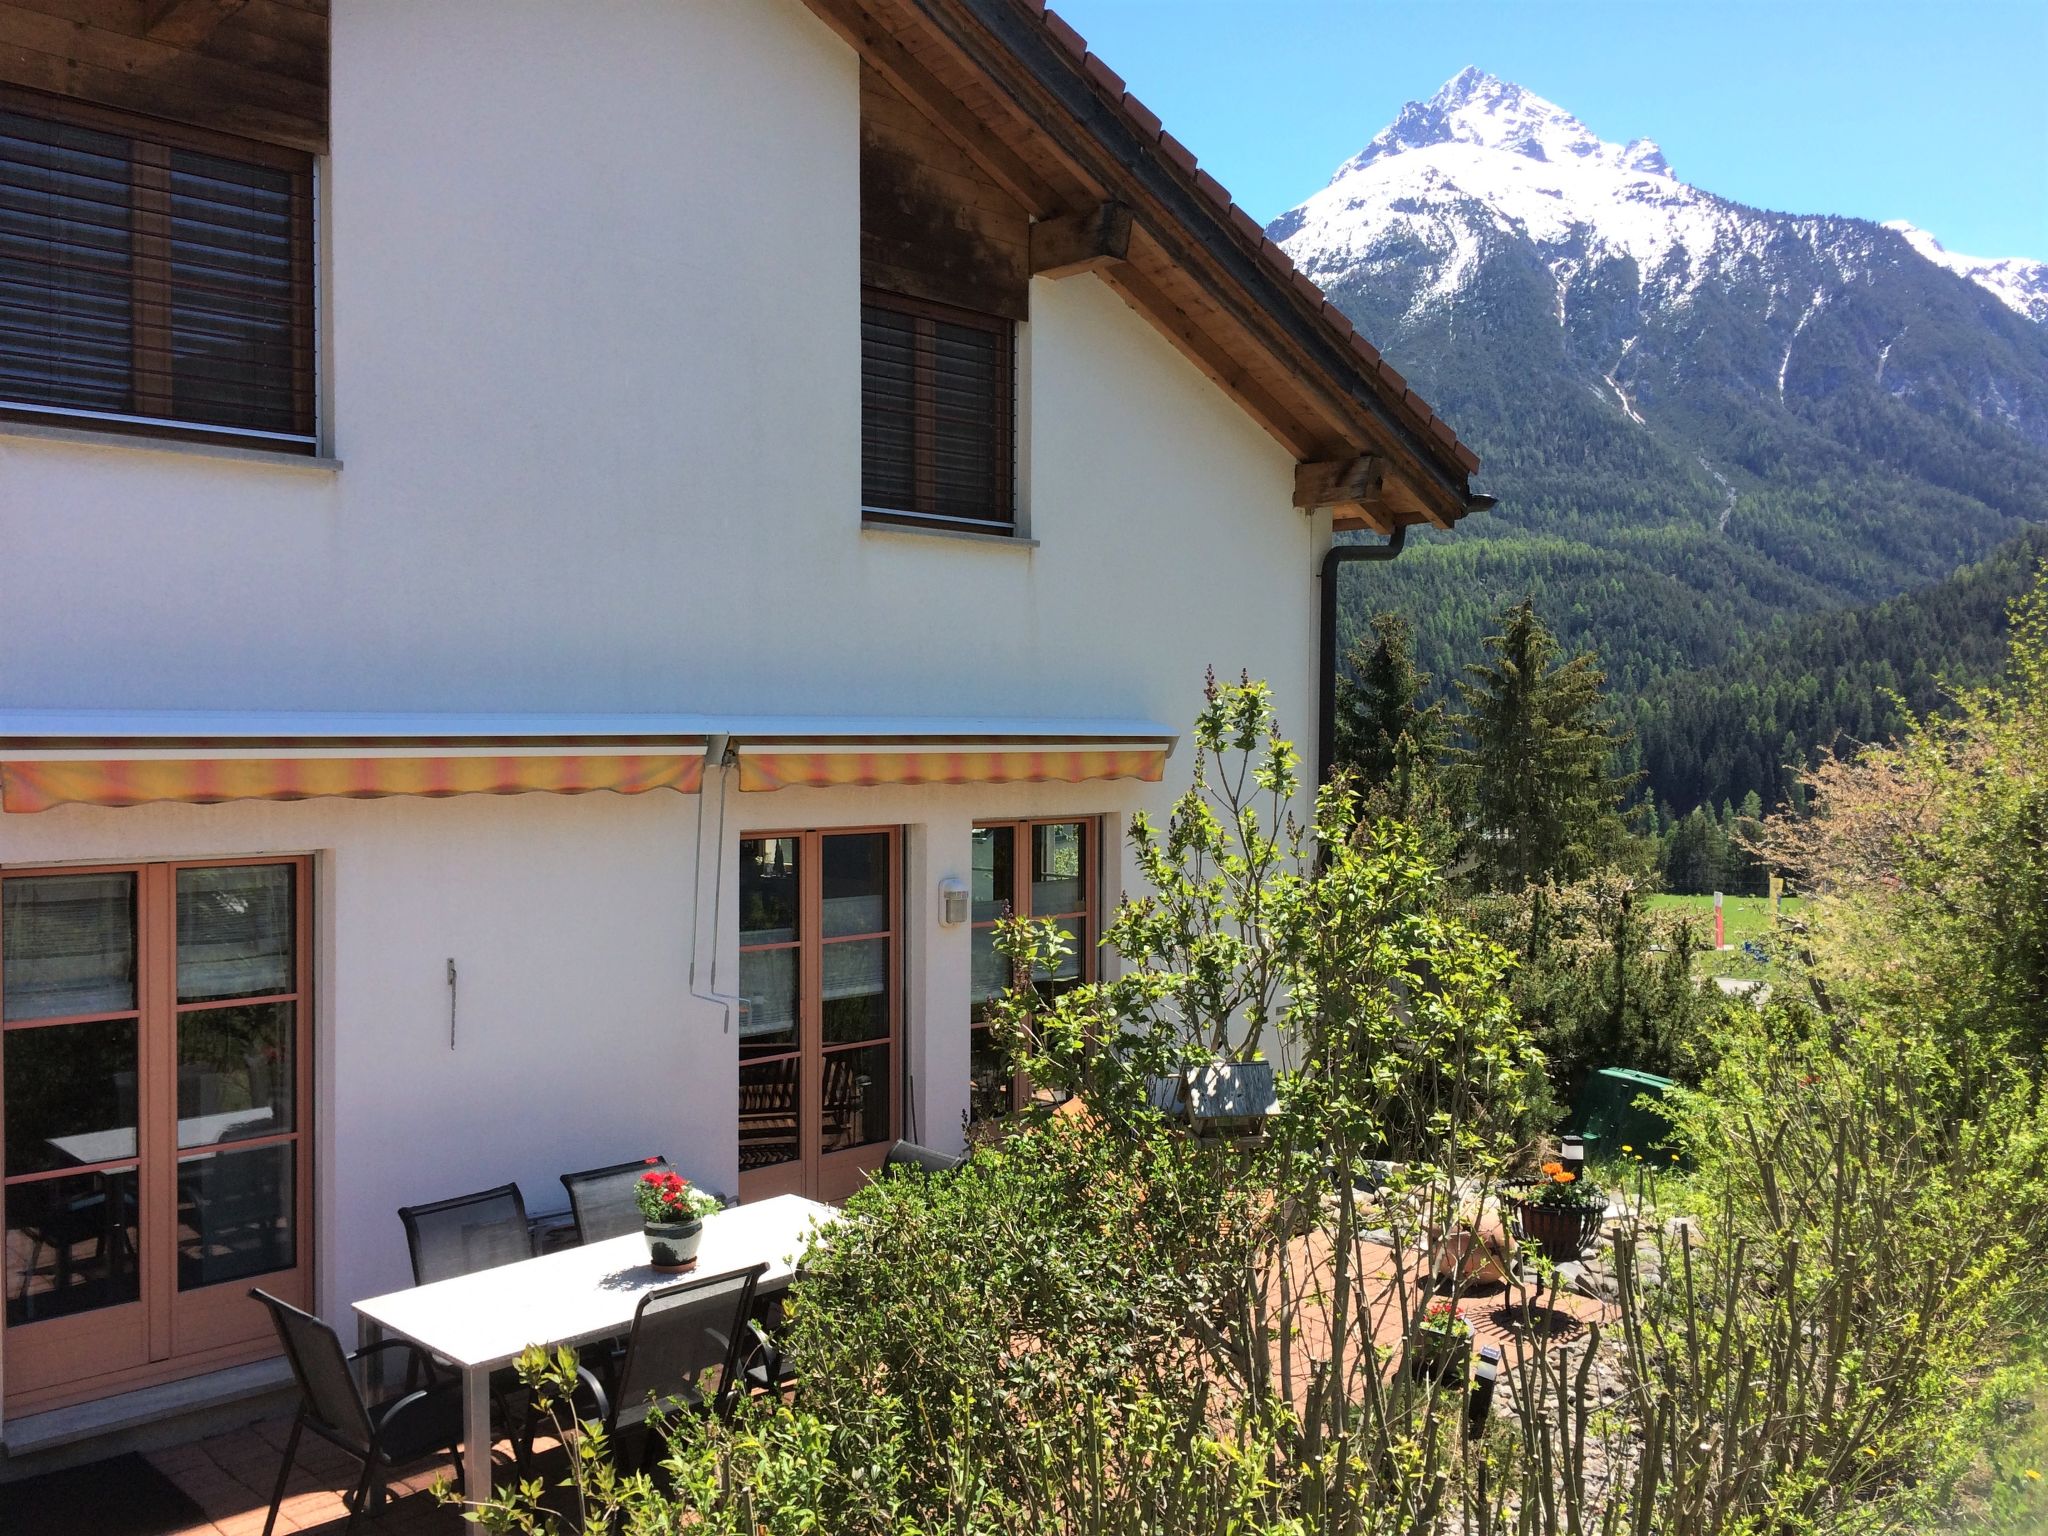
{"x":819,"y":1024}
{"x":153,"y":1073}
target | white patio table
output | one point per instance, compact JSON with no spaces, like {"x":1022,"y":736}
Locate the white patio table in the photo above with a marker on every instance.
{"x":483,"y":1321}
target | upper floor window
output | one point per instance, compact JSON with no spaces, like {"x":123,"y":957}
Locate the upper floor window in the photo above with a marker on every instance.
{"x":938,"y":425}
{"x":153,"y":277}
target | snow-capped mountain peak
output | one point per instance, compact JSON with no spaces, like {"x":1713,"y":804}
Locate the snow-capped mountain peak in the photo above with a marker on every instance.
{"x":2019,"y":284}
{"x":1477,"y":108}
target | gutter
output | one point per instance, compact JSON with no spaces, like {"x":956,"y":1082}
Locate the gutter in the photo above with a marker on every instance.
{"x":1335,"y":559}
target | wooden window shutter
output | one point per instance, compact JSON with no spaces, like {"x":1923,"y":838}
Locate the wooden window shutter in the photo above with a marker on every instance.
{"x":154,"y":277}
{"x":938,"y":428}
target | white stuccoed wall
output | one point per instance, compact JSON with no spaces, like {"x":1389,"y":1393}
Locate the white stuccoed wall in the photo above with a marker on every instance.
{"x":593,"y":358}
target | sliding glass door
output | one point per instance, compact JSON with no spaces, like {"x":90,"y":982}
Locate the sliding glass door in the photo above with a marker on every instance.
{"x":820,"y":1024}
{"x":154,"y":1074}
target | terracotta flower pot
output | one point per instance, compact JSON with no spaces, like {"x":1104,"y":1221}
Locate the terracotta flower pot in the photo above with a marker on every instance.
{"x":672,"y":1245}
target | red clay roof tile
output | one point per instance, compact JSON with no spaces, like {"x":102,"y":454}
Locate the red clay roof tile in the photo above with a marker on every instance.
{"x":1144,"y":117}
{"x":1103,"y":75}
{"x":1177,"y":152}
{"x":1065,"y":35}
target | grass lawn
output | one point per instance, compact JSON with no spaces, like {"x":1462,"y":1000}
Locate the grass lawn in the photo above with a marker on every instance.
{"x":1743,"y":918}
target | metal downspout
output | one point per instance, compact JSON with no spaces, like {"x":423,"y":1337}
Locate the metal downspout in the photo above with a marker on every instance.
{"x":1339,"y":556}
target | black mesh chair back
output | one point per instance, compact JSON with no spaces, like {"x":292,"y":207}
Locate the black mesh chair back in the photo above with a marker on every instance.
{"x":908,"y":1154}
{"x":602,"y":1199}
{"x":681,"y":1333}
{"x":333,"y":1398}
{"x":468,"y":1233}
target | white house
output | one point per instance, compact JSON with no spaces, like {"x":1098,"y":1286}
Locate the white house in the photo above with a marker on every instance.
{"x":537,"y":541}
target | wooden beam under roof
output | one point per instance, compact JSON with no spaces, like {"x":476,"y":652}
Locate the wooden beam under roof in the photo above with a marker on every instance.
{"x":1356,"y":481}
{"x":185,"y":23}
{"x":1081,"y":242}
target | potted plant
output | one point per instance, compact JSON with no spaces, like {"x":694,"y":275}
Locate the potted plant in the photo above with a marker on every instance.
{"x":672,"y":1214}
{"x":1441,"y":1350}
{"x":1560,"y":1213}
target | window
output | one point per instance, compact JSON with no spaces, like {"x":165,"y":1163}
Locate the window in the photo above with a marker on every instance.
{"x":154,"y":278}
{"x":154,"y":1073}
{"x":818,"y":1022}
{"x":937,"y":428}
{"x":1054,"y":878}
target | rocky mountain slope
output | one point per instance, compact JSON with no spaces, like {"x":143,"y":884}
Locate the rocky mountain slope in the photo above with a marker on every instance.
{"x":1702,"y":419}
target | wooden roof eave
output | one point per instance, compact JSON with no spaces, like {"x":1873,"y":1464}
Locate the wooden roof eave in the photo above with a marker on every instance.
{"x":1182,"y":231}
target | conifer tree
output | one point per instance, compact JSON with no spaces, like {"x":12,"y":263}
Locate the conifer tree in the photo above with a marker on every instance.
{"x":1544,"y":793}
{"x":1386,"y":736}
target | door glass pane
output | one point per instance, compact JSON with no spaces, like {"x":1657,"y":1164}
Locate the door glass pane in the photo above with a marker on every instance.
{"x":768,"y":890}
{"x":1057,"y":883}
{"x":768,"y":1016}
{"x":991,"y":970}
{"x":1051,"y":983}
{"x":70,"y":1095}
{"x":995,"y":890}
{"x":71,"y":1245}
{"x":235,"y":1073}
{"x":67,"y":945}
{"x":856,"y":984}
{"x":856,"y":880}
{"x":235,"y":932}
{"x":989,"y":1089}
{"x":768,"y":1112}
{"x":235,"y":1216}
{"x":856,"y":1097}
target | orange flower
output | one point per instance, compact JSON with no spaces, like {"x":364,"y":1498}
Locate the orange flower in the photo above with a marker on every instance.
{"x":1553,"y":1169}
{"x":1561,"y":1177}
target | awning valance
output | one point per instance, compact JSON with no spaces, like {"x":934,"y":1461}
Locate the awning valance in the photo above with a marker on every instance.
{"x":124,"y":758}
{"x":840,"y":764}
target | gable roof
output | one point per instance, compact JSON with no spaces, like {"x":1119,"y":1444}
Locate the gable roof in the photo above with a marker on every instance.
{"x":1017,"y":89}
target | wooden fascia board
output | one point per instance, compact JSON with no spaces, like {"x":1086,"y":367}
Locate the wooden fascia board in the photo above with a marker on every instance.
{"x":997,"y":38}
{"x":895,"y":63}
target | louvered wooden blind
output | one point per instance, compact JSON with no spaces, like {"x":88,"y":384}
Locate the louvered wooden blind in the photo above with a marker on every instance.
{"x":153,"y":277}
{"x":937,"y":423}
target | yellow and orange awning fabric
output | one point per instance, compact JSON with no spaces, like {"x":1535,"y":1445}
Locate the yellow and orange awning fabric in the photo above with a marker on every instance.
{"x":833,"y":765}
{"x":39,"y":785}
{"x":106,"y":758}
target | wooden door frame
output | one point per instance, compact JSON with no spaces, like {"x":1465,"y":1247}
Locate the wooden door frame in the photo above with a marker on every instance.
{"x":808,"y":1171}
{"x":228,"y":1328}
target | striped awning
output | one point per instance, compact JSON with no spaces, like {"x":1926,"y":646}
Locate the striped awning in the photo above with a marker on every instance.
{"x":124,"y":758}
{"x":30,"y":785}
{"x":840,"y":764}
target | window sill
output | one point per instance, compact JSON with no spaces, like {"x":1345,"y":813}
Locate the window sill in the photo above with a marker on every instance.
{"x":963,"y":535}
{"x":88,"y":437}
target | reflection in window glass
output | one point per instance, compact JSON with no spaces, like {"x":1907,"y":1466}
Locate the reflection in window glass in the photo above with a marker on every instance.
{"x":235,"y":932}
{"x":70,"y":1095}
{"x":234,"y":1215}
{"x":235,"y":1073}
{"x":70,"y":1245}
{"x":856,"y":884}
{"x":768,"y":1013}
{"x":994,"y":884}
{"x":768,"y":1112}
{"x":1056,"y":869}
{"x":68,"y":945}
{"x":855,"y":1097}
{"x":856,"y":990}
{"x":768,"y":890}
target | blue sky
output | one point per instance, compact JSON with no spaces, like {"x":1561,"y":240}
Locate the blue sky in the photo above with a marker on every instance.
{"x":1934,"y":110}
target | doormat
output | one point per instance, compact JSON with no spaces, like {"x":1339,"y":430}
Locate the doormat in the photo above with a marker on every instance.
{"x":122,"y":1496}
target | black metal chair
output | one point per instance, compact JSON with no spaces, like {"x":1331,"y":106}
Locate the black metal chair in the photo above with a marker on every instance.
{"x":681,"y":1334}
{"x":462,"y":1235}
{"x":459,"y":1236}
{"x":908,"y":1154}
{"x":423,"y":1422}
{"x":602,"y":1199}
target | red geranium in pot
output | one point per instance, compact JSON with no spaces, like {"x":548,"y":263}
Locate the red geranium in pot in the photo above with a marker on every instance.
{"x":672,"y":1213}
